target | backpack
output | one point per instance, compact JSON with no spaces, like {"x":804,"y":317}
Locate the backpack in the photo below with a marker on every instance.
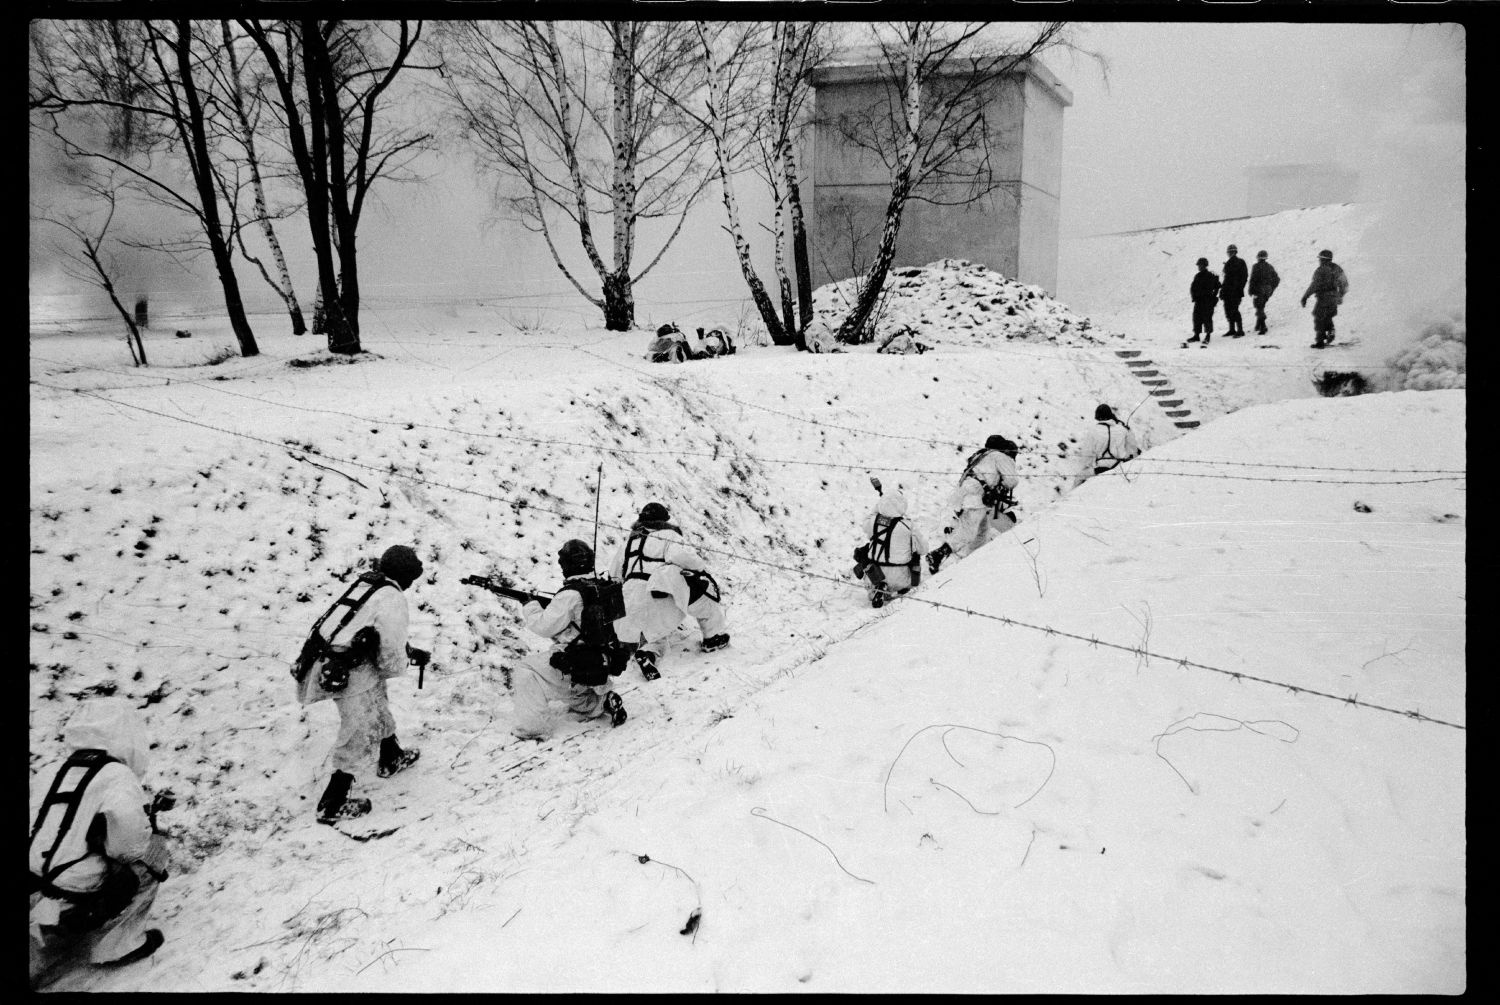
{"x":1108,"y":454}
{"x":997,"y":497}
{"x":596,"y":654}
{"x":333,"y":662}
{"x":89,"y":910}
{"x":1340,"y":281}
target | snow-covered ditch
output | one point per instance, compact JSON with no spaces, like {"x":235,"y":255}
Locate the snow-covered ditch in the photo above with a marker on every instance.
{"x":912,"y":799}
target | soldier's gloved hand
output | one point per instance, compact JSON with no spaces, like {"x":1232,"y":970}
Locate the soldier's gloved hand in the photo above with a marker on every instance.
{"x":166,"y":799}
{"x":1304,"y":301}
{"x":420,"y":657}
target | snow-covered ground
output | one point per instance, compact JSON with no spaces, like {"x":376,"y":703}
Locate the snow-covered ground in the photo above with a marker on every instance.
{"x":1112,"y":791}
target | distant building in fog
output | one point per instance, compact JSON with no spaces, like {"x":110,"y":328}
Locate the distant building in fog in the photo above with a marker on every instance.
{"x":1293,"y":186}
{"x":1013,"y":229}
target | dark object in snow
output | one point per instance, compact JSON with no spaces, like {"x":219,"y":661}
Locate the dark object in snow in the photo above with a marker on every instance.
{"x":184,"y":333}
{"x":1340,"y":384}
{"x":692,"y":922}
{"x":142,"y":313}
{"x":1360,"y":507}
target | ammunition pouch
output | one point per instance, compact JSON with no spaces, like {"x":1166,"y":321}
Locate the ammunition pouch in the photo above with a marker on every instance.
{"x":91,"y":910}
{"x":333,"y":675}
{"x":591,"y":666}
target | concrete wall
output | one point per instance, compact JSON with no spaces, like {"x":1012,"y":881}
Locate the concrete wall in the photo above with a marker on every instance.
{"x":1012,"y":229}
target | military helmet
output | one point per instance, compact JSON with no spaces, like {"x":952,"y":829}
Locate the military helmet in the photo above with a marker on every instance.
{"x":1261,"y":254}
{"x":576,"y":558}
{"x":1232,"y":249}
{"x":654,"y":512}
{"x":1325,"y":255}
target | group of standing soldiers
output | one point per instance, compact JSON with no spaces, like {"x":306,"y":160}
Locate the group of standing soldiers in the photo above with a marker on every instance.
{"x":1328,"y":286}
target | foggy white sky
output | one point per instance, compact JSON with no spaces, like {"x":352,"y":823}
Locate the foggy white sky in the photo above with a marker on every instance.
{"x":1186,"y":108}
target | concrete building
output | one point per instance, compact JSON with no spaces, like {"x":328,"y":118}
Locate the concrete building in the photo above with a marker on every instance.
{"x":1275,"y":187}
{"x":1012,"y":229}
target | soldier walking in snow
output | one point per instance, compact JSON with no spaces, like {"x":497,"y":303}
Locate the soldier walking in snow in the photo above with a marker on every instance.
{"x":652,"y":610}
{"x":1328,"y":285}
{"x":982,"y":503}
{"x":96,"y":857}
{"x":1233,"y":291}
{"x":1263,"y":283}
{"x":1204,"y":292}
{"x":890,"y":560}
{"x":576,"y":670}
{"x":369,"y":647}
{"x":1110,"y":443}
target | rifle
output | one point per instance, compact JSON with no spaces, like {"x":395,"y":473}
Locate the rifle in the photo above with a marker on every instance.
{"x":507,"y":592}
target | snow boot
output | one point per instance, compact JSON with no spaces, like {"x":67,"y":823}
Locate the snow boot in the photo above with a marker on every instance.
{"x":715,"y":642}
{"x":153,"y":942}
{"x":1193,"y":339}
{"x":935,"y":557}
{"x":647,"y":662}
{"x":394,"y":760}
{"x":615,"y":708}
{"x":335,"y":803}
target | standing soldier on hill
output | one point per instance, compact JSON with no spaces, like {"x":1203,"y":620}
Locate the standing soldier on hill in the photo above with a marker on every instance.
{"x":1263,"y":283}
{"x":653,"y":544}
{"x":1328,"y":285}
{"x":1233,"y":291}
{"x":1204,"y":292}
{"x":368,"y":648}
{"x":983,"y":504}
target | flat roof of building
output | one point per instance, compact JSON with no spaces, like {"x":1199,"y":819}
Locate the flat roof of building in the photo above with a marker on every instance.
{"x":858,"y":65}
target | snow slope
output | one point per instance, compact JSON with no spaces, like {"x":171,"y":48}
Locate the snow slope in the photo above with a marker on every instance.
{"x":830,"y":792}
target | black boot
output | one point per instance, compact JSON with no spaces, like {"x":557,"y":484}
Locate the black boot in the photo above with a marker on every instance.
{"x":151,"y":944}
{"x":646,"y":660}
{"x":936,"y":556}
{"x":336,"y":804}
{"x":393,"y":759}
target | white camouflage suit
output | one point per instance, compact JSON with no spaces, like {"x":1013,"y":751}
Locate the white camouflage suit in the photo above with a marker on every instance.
{"x":906,"y":543}
{"x":364,"y":707}
{"x":975,"y":523}
{"x":705,"y":610}
{"x":649,"y":620}
{"x":115,"y":793}
{"x":538,"y":682}
{"x":1110,"y":443}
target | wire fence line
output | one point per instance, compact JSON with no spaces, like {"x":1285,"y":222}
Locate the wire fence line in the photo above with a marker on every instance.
{"x":1135,"y":469}
{"x":519,"y":505}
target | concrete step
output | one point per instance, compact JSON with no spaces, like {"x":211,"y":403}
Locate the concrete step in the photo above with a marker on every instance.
{"x":1146,"y":373}
{"x":1180,"y":413}
{"x":1156,"y":383}
{"x":1170,"y":404}
{"x":1127,"y":353}
{"x":1161,"y":391}
{"x":1190,"y":424}
{"x":1138,"y":362}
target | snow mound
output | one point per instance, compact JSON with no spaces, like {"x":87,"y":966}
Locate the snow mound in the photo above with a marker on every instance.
{"x":954,"y":300}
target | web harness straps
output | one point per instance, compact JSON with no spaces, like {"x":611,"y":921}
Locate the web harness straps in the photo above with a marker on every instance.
{"x":635,"y":555}
{"x":370,"y":581}
{"x":91,"y":761}
{"x":880,"y":540}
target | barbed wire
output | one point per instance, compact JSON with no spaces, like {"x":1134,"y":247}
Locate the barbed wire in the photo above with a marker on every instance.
{"x":523,"y":504}
{"x":1447,"y":474}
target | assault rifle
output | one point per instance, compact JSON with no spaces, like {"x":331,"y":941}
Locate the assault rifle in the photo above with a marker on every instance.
{"x":507,"y":592}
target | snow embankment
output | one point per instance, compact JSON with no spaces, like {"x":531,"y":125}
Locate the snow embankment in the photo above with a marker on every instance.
{"x":183,"y":538}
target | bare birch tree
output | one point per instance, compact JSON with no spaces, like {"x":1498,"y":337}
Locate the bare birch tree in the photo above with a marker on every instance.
{"x":152,"y":101}
{"x":243,"y":97}
{"x":580,"y":118}
{"x":934,"y":125}
{"x":342,"y":138}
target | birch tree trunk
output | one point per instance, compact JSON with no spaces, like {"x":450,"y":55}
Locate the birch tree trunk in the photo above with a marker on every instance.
{"x":717,"y":107}
{"x":262,"y":216}
{"x":853,"y":327}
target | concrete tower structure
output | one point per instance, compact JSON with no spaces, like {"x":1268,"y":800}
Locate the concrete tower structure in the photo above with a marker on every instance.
{"x":1012,"y":229}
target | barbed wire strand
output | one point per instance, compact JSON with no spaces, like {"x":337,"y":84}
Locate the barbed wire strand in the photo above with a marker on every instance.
{"x":522,"y":504}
